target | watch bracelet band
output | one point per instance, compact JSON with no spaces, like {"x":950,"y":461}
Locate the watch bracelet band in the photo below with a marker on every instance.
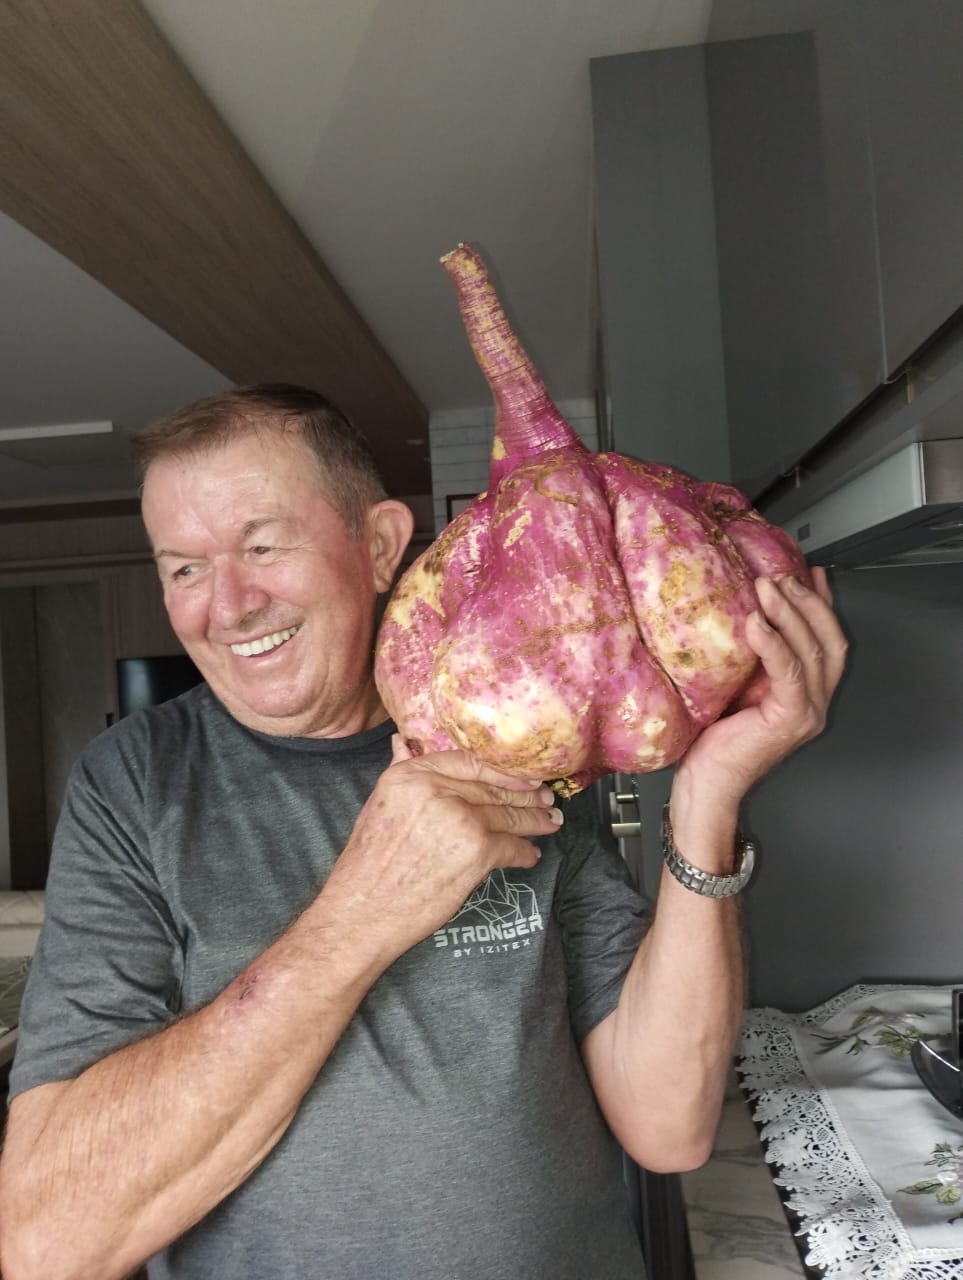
{"x":704,"y":882}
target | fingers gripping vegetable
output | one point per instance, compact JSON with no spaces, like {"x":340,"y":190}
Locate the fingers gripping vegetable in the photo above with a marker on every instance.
{"x":586,"y":614}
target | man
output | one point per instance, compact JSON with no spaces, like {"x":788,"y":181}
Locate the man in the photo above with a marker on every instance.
{"x":268,"y":1031}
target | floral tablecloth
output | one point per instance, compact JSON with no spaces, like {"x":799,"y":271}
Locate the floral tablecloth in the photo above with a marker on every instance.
{"x":869,"y":1163}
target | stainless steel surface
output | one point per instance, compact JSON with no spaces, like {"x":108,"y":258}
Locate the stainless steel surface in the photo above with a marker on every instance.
{"x":702,"y":882}
{"x":933,"y":410}
{"x":624,"y":808}
{"x":943,"y":470}
{"x":908,"y":509}
{"x":617,"y":804}
{"x":933,"y":1060}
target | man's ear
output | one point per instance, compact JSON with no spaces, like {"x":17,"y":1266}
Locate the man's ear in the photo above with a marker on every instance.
{"x":390,"y":526}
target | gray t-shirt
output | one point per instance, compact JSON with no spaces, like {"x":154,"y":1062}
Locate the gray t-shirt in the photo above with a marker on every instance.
{"x":453,"y":1132}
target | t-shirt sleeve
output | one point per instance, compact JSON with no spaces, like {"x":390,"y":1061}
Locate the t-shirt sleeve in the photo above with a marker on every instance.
{"x":602,"y":917}
{"x":108,"y":964}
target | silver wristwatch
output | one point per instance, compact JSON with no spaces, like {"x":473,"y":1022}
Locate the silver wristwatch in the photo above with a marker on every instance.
{"x":703,"y":882}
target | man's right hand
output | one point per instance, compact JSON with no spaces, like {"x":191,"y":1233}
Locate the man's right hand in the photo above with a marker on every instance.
{"x":433,"y":828}
{"x":100,"y":1172}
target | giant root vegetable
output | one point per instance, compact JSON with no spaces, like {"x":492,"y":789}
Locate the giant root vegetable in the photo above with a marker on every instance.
{"x":586,"y":613}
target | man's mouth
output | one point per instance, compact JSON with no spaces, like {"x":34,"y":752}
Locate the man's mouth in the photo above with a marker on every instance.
{"x":264,"y":644}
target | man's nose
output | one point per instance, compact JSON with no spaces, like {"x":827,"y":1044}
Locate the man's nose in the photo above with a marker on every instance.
{"x":234,"y":595}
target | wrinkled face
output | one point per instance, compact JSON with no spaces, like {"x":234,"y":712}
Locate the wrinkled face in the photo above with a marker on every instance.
{"x":265,"y":587}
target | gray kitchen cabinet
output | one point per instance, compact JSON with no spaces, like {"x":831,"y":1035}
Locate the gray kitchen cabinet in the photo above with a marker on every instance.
{"x":795,"y":249}
{"x":658,"y":283}
{"x":857,"y":366}
{"x":847,"y":135}
{"x":737,"y":261}
{"x":778,"y":225}
{"x":913,"y":54}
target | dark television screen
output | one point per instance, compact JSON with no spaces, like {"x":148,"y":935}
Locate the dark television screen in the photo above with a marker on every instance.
{"x":143,"y":682}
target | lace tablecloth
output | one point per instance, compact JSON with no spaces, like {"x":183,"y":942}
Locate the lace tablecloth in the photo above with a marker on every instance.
{"x":868,"y":1161}
{"x":13,"y":979}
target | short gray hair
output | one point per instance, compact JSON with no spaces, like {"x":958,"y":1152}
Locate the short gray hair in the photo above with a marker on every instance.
{"x":347,"y":470}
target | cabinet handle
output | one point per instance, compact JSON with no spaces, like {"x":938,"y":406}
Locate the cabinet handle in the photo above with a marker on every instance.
{"x":624,"y":810}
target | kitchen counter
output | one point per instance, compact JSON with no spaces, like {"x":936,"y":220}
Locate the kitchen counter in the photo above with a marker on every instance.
{"x":737,"y":1226}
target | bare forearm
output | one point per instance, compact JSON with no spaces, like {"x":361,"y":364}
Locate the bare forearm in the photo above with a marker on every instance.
{"x":143,"y":1144}
{"x":659,"y":1062}
{"x":669,"y":1043}
{"x":686,"y":990}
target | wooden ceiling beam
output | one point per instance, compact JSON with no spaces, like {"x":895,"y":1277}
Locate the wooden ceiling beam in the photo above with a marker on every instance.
{"x":111,"y":154}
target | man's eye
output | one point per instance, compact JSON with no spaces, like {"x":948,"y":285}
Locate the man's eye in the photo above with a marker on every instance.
{"x":260,"y":551}
{"x":185,"y":571}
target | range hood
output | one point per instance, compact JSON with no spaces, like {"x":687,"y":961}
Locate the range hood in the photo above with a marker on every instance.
{"x":907,"y":509}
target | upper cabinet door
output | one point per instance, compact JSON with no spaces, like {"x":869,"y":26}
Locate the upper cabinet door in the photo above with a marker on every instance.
{"x":913,"y":72}
{"x":658,"y":280}
{"x":796,"y":246}
{"x":779,"y":219}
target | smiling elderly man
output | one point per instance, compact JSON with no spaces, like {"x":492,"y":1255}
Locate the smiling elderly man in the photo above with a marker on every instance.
{"x":250,"y":1048}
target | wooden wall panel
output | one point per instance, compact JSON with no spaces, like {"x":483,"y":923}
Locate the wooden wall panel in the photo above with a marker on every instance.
{"x":140,"y":625}
{"x":51,"y":543}
{"x":73,"y":701}
{"x":110,"y":153}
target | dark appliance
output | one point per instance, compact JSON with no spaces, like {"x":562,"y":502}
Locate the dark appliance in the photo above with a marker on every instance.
{"x":144,"y":682}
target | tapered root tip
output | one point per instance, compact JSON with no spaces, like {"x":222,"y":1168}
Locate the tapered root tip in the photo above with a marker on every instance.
{"x":447,"y":257}
{"x":465,"y":262}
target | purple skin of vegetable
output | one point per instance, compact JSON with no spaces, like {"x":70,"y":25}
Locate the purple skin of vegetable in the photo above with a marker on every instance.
{"x":586,"y":613}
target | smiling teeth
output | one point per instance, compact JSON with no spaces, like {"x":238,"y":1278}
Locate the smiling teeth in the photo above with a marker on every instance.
{"x":264,"y":644}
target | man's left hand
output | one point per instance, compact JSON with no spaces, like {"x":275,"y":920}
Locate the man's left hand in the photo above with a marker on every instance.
{"x":803,"y":651}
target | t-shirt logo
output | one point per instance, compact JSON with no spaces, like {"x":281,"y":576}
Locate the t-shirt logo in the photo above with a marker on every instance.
{"x":501,"y":915}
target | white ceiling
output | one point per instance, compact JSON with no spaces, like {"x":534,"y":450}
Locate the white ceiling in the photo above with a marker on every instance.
{"x":391,"y":130}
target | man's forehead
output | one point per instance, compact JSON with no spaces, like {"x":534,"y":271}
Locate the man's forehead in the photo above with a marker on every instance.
{"x":187,"y":505}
